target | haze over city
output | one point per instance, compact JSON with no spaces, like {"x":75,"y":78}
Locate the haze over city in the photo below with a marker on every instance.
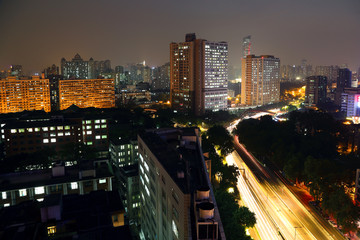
{"x":38,"y":33}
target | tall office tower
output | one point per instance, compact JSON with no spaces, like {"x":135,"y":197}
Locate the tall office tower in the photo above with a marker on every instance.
{"x":19,"y":95}
{"x":343,"y":81}
{"x":198,"y":75}
{"x":344,"y":78}
{"x":260,"y":80}
{"x":246,"y":46}
{"x":98,"y":93}
{"x":177,"y":201}
{"x":76,"y":68}
{"x":315,"y":92}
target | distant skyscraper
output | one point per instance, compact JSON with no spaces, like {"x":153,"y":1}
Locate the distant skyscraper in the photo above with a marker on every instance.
{"x":246,"y":46}
{"x":29,"y":94}
{"x":161,"y":77}
{"x":344,"y":78}
{"x":16,"y":70}
{"x":315,"y":92}
{"x":260,"y":80}
{"x":198,"y":75}
{"x":77,"y":68}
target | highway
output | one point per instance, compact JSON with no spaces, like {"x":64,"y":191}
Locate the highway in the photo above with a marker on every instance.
{"x":277,"y":209}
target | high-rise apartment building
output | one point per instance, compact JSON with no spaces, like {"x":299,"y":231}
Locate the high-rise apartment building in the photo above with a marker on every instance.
{"x":29,"y":94}
{"x":260,"y":80}
{"x":77,"y":68}
{"x":98,"y":93}
{"x":177,"y":200}
{"x":246,"y":46}
{"x":161,"y":77}
{"x":315,"y":92}
{"x":198,"y":75}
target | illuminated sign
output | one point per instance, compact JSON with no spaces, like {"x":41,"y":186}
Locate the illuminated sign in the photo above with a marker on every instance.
{"x":357,"y":99}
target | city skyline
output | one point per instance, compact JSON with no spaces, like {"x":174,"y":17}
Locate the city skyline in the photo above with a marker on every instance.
{"x":133,"y":32}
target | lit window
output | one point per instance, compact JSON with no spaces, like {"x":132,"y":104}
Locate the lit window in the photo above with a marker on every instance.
{"x":45,"y":140}
{"x":60,"y":134}
{"x":97,"y":121}
{"x":175,"y":228}
{"x":39,"y":190}
{"x":3,"y":195}
{"x":13,"y":131}
{"x":40,"y":199}
{"x":89,"y":132}
{"x":88,"y":121}
{"x":53,"y":140}
{"x":102,"y":180}
{"x":97,"y":126}
{"x":45,"y":129}
{"x":52,"y":128}
{"x":74,"y":185}
{"x":37,"y":129}
{"x":103,"y":126}
{"x":104,"y":136}
{"x":30,"y":130}
{"x":67,"y":127}
{"x":89,"y":143}
{"x":60,"y":128}
{"x":21,"y":130}
{"x":22,"y":192}
{"x":88,"y":127}
{"x":103,"y":121}
{"x":51,"y":230}
{"x":67,"y":133}
{"x":7,"y":205}
{"x":52,"y":134}
{"x":97,"y":137}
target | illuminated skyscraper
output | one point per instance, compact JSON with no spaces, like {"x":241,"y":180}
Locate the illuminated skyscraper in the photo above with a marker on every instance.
{"x":19,"y":95}
{"x":98,"y":93}
{"x":246,"y":46}
{"x":198,"y":75}
{"x":260,"y":80}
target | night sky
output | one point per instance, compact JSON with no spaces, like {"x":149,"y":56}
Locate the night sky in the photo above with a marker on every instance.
{"x":38,"y":33}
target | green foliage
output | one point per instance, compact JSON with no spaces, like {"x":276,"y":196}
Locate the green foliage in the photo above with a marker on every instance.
{"x":245,"y":217}
{"x":220,"y":137}
{"x":233,"y":217}
{"x":305,"y":148}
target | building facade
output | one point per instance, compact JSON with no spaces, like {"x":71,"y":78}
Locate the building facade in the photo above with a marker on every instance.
{"x":198,"y":75}
{"x":78,"y":68}
{"x":350,"y":102}
{"x":260,"y":80}
{"x":173,"y":194}
{"x":29,"y":94}
{"x":315,"y":92}
{"x":98,"y":93}
{"x":35,"y":185}
{"x":246,"y":46}
{"x":29,"y":136}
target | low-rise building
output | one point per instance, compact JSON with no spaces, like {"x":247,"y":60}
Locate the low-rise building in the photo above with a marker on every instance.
{"x":35,"y":185}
